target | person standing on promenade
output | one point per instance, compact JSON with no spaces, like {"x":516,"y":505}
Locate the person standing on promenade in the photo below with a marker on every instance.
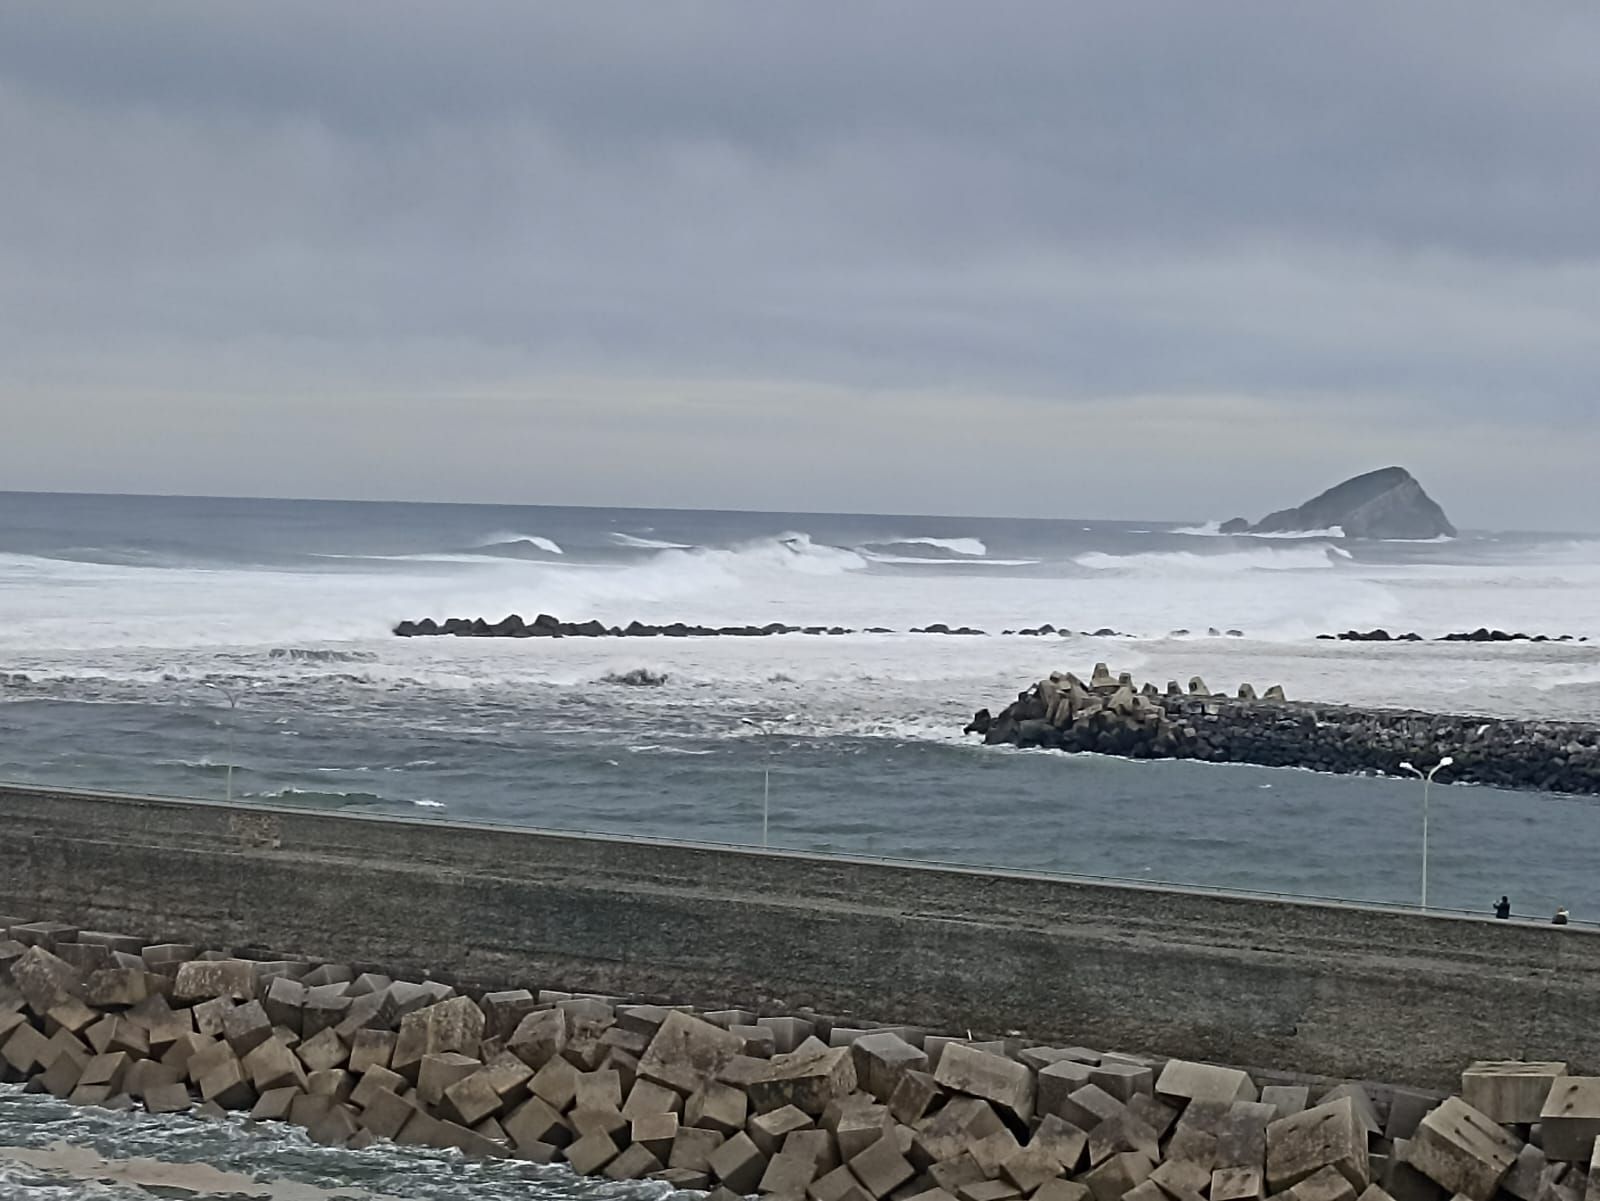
{"x":1502,"y":908}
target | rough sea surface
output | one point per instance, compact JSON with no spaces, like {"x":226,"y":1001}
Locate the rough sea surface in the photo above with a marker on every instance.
{"x":152,"y":645}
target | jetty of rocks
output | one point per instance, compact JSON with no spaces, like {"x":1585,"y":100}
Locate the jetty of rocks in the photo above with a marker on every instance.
{"x":787,"y":1106}
{"x":547,"y":626}
{"x":1114,"y":715}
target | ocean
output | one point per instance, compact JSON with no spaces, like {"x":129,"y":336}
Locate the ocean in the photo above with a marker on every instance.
{"x":187,"y":647}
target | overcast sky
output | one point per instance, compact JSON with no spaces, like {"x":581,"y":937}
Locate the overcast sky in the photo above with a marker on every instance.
{"x":1124,"y":259}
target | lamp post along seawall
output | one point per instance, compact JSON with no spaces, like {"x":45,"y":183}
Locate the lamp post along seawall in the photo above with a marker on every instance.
{"x":1427,"y":784}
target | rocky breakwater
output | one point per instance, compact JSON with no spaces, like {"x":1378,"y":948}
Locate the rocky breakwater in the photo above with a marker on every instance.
{"x":1117,"y":716}
{"x":790,"y":1106}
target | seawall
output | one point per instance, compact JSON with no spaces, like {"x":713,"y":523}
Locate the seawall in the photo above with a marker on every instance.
{"x":1339,"y":991}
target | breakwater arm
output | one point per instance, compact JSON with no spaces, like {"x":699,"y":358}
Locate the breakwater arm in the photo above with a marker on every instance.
{"x":1117,"y":716}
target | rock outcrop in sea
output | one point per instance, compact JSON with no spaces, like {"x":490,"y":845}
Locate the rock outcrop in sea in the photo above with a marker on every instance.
{"x":1387,"y":503}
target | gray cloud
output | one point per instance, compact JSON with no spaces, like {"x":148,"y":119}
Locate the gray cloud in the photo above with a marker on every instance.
{"x":1333,"y":235}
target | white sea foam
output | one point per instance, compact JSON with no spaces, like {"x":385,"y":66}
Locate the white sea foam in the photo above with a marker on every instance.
{"x":883,"y":557}
{"x":1213,"y":529}
{"x":509,"y":538}
{"x":1182,"y":562}
{"x":636,"y":543}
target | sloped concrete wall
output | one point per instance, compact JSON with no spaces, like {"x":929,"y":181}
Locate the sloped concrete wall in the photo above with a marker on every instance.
{"x":1332,"y":990}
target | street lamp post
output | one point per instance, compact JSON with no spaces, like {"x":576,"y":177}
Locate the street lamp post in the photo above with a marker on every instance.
{"x":233,"y":707}
{"x":1427,"y":783}
{"x":766,"y":774}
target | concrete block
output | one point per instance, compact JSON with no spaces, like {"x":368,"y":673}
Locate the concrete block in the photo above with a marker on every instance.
{"x":648,"y":1097}
{"x":1524,"y":1179}
{"x":882,"y":1059}
{"x":1030,"y":1167}
{"x":818,"y":1144}
{"x":227,"y":1086}
{"x":838,"y":1185}
{"x":452,"y":1026}
{"x":246,"y":1027}
{"x":881,"y":1168}
{"x":117,"y":987}
{"x":1365,"y":1109}
{"x":284,"y":1000}
{"x":1462,"y":1150}
{"x":1118,"y":1175}
{"x":1158,"y":1115}
{"x":605,"y":1118}
{"x":1088,"y":1106}
{"x":113,"y":1033}
{"x":1509,"y":1092}
{"x":1325,"y":1184}
{"x":768,"y":1130}
{"x":1004,"y":1083}
{"x":272,"y":1066}
{"x":806,"y":1078}
{"x":738,"y":1163}
{"x":716,"y":1106}
{"x":322,"y":1051}
{"x":61,"y":1078}
{"x":1056,"y":1082}
{"x":913,"y":1096}
{"x":1330,"y":1135}
{"x":1149,"y":1190}
{"x":208,"y":1056}
{"x":85,"y":958}
{"x":71,"y":1015}
{"x":1183,"y":1080}
{"x":992,"y":1150}
{"x":758,"y":1041}
{"x":371,"y":1081}
{"x":859,"y":1127}
{"x":307,"y":1109}
{"x":635,"y":1163}
{"x":655,"y":1132}
{"x":789,"y":1173}
{"x":168,"y":1098}
{"x":1238,"y":1184}
{"x":1063,"y":1190}
{"x":1065,"y":1143}
{"x":1405,"y":1183}
{"x":1569,"y":1120}
{"x":687,"y":1052}
{"x":1375,"y":1192}
{"x":209,"y":1016}
{"x":536,"y":1123}
{"x":692,"y":1149}
{"x":42,"y":934}
{"x":336,"y":1127}
{"x":951,"y":1174}
{"x":1287,"y":1099}
{"x":989,"y":1190}
{"x":1122,"y":1132}
{"x":1123,"y":1080}
{"x":371,"y":1049}
{"x":438,"y":1072}
{"x":1407,"y":1108}
{"x":556,"y":1083}
{"x":950,"y":1131}
{"x":368,"y":984}
{"x":1190,"y":1144}
{"x":273,"y":1104}
{"x":787,"y":1032}
{"x":203,"y":980}
{"x":742,"y":1071}
{"x":386,"y":1113}
{"x":45,"y":980}
{"x":470,"y":1099}
{"x":1182,"y":1181}
{"x":325,"y":1008}
{"x":599,"y":1088}
{"x":1242,"y":1135}
{"x":331,"y":1082}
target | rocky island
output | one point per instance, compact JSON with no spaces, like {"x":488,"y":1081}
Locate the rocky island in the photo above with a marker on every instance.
{"x":1387,"y":503}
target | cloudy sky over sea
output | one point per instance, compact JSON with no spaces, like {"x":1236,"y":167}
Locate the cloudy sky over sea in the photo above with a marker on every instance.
{"x":1143,"y":259}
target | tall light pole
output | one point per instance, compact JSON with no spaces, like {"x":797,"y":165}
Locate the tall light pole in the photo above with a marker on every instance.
{"x":1427,"y":783}
{"x":232,"y":696}
{"x":766,"y":775}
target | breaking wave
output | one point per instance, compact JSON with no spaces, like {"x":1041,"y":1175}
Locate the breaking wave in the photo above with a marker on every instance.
{"x":635,"y":543}
{"x":972,"y":547}
{"x":511,"y":538}
{"x":1183,"y":562}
